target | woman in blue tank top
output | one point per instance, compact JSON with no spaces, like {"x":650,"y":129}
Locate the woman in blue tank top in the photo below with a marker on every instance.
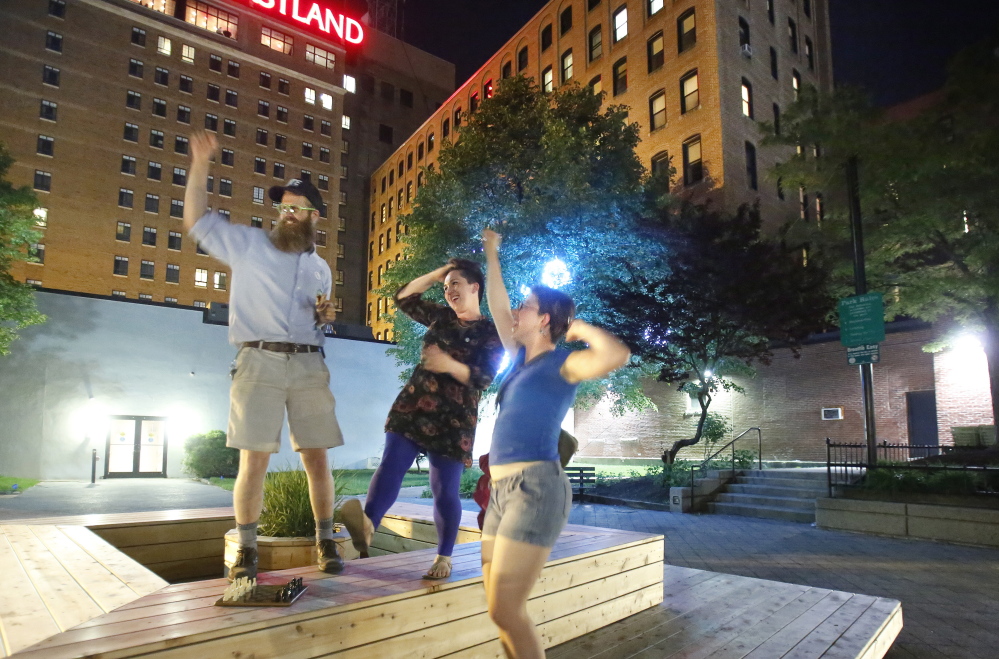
{"x":530,"y":495}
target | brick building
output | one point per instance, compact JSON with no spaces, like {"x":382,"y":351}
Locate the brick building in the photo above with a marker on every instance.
{"x":698,"y":76}
{"x":99,"y":97}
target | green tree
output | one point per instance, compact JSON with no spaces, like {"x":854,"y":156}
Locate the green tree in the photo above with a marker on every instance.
{"x":556,"y":175}
{"x":928,"y":192}
{"x":726,"y":300}
{"x":17,"y":233}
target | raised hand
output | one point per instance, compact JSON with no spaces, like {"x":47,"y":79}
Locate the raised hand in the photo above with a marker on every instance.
{"x":203,"y":147}
{"x":491,"y":240}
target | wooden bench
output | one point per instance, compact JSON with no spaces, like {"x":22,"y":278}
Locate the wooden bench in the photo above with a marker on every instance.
{"x":380,"y":607}
{"x":57,"y":577}
{"x":581,"y":478}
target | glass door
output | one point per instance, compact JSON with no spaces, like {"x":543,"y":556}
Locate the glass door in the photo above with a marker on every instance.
{"x":136,"y":447}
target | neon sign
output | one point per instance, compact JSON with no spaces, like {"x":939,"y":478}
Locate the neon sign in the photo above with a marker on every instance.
{"x":317,"y":16}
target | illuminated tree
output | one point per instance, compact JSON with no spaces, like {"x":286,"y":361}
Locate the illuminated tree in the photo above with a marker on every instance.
{"x":17,"y":233}
{"x":928,"y":193}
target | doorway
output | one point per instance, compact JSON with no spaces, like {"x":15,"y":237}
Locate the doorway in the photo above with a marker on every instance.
{"x":136,"y":447}
{"x":922,"y":414}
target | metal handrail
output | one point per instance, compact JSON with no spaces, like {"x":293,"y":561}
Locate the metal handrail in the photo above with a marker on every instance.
{"x":700,"y":467}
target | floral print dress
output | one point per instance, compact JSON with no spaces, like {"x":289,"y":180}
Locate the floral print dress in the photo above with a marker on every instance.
{"x":434,"y":410}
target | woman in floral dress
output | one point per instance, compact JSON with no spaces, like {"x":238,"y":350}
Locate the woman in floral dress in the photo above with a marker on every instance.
{"x":437,"y":411}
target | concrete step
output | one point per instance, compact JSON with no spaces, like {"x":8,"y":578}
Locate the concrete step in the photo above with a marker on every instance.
{"x":775,"y":491}
{"x":774,"y":502}
{"x":765,"y":512}
{"x":796,"y":474}
{"x":799,"y":484}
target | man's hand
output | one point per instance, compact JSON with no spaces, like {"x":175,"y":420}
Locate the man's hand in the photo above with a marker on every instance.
{"x":203,"y":147}
{"x":436,"y":360}
{"x":325,"y":311}
{"x":491,"y":240}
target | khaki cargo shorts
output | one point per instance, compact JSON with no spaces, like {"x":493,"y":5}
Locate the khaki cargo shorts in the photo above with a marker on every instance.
{"x":267,"y":383}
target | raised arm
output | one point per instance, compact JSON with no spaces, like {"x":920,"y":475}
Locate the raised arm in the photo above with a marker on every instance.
{"x":423,"y":283}
{"x":605,"y":353}
{"x":496,"y":295}
{"x":203,"y":146}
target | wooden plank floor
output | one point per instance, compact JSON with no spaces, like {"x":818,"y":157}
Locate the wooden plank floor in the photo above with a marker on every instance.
{"x":707,"y":615}
{"x":57,"y":577}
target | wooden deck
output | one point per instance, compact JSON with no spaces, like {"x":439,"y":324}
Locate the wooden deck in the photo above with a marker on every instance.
{"x":56,"y":577}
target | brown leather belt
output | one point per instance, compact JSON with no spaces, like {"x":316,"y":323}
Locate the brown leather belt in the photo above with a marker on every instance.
{"x":282,"y":347}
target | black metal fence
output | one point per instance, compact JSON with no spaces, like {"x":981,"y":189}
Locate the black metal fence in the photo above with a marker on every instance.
{"x":846,"y":466}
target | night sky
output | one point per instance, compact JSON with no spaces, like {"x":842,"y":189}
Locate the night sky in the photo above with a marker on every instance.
{"x":896,"y":49}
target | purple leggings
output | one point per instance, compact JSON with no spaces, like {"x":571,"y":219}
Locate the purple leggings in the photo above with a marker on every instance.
{"x":445,"y":477}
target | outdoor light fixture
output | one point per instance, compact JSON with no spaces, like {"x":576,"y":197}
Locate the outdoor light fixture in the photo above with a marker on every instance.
{"x":707,"y":373}
{"x":555,"y":274}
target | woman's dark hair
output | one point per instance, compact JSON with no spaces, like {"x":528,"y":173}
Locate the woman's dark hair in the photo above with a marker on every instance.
{"x":560,"y":309}
{"x":470,"y":271}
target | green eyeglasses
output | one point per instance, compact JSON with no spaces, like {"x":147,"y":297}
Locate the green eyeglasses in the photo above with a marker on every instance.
{"x":292,"y":208}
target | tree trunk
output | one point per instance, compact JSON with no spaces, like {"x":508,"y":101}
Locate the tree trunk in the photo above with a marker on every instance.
{"x":669,"y":456}
{"x":990,"y":342}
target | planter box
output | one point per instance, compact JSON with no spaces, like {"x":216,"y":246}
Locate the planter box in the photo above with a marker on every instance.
{"x":286,"y":553}
{"x":966,"y":526}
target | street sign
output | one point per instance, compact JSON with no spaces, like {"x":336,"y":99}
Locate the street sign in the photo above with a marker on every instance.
{"x":862,"y":319}
{"x":869,"y":353}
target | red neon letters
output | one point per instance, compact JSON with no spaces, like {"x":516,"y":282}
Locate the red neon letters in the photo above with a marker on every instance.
{"x":316,"y":15}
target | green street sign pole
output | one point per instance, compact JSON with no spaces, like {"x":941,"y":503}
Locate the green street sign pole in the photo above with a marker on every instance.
{"x":860,"y":282}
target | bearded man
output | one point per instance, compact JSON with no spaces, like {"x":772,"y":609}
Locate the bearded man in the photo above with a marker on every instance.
{"x":278,"y":303}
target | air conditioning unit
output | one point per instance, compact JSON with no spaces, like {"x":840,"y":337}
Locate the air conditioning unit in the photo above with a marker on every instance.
{"x":832,"y":413}
{"x":747,"y":50}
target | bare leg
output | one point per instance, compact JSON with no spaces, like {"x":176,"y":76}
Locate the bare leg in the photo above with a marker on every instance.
{"x":248,"y":493}
{"x":510,"y":569}
{"x":317,"y":467}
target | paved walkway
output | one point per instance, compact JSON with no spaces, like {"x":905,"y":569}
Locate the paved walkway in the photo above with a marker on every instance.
{"x":949,"y":593}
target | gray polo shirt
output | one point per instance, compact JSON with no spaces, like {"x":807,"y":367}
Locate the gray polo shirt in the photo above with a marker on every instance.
{"x":273,"y":293}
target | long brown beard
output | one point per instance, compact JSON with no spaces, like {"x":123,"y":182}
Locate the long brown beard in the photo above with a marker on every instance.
{"x":293,"y":238}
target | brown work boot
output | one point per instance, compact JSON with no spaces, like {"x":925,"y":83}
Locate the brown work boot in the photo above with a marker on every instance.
{"x":358,"y":525}
{"x":329,"y":559}
{"x":245,"y":564}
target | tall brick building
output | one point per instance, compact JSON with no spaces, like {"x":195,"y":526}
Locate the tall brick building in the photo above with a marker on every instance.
{"x":100,"y":96}
{"x":698,"y":75}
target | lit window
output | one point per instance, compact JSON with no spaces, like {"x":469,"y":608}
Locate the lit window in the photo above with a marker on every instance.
{"x":596,"y":85}
{"x":693,"y":169}
{"x":747,"y":99}
{"x":319,"y":56}
{"x":187,"y":54}
{"x":350,"y":84}
{"x":310,"y":95}
{"x":212,"y":19}
{"x":345,"y":122}
{"x":566,"y":66}
{"x":620,"y":24}
{"x":276,"y":40}
{"x":41,"y":218}
{"x":163,"y":46}
{"x":201,"y":277}
{"x":37,"y":252}
{"x":220,"y":281}
{"x":258,"y":195}
{"x":686,"y":30}
{"x":655,"y":6}
{"x":657,"y":110}
{"x":795,"y":83}
{"x":546,"y":79}
{"x":621,"y":76}
{"x":124,"y":232}
{"x":655,"y":50}
{"x":326,"y":101}
{"x":689,"y":94}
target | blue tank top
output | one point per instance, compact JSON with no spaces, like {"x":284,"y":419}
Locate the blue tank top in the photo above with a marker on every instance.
{"x":533,"y":399}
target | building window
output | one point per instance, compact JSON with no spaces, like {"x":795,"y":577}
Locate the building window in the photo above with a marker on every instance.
{"x":507,"y":71}
{"x":154,"y":171}
{"x":220,"y":281}
{"x":128,"y":165}
{"x":776,"y":119}
{"x":657,"y":110}
{"x":159,"y":107}
{"x":656,"y":52}
{"x":660,"y":165}
{"x":770,"y":11}
{"x":310,"y":95}
{"x":45,"y":146}
{"x":53,"y":41}
{"x":174,"y":240}
{"x":133,"y":100}
{"x":147,"y":270}
{"x":655,"y":6}
{"x":279,"y":170}
{"x":308,"y":122}
{"x":41,"y":217}
{"x":212,"y":19}
{"x":225,"y":187}
{"x":446,"y":128}
{"x":262,"y":138}
{"x":747,"y":98}
{"x":621,"y":76}
{"x":228,"y":157}
{"x":172,"y":273}
{"x":135,"y":68}
{"x":326,"y":128}
{"x":232,"y":69}
{"x":324,"y":154}
{"x":211,"y":121}
{"x":43,"y":181}
{"x":693,"y":170}
{"x":751,"y":166}
{"x":546,"y":80}
{"x":385,"y":134}
{"x":743,"y":34}
{"x":405,"y":98}
{"x":809,"y":54}
{"x":276,"y":41}
{"x":263,"y":109}
{"x":566,"y":66}
{"x":473,"y":103}
{"x":124,"y":232}
{"x":187,"y":54}
{"x":596,"y":85}
{"x":214,"y":92}
{"x":796,"y":83}
{"x":284,"y":87}
{"x":257,"y":222}
{"x":201,"y":277}
{"x":180,"y":145}
{"x":546,"y":37}
{"x":259,"y":165}
{"x":320,"y":57}
{"x":350,"y":84}
{"x":187,"y":84}
{"x":139,"y":37}
{"x":229,"y":127}
{"x":124,"y":196}
{"x":522,"y":59}
{"x":792,"y":34}
{"x":36,"y":251}
{"x":131,"y":133}
{"x":163,"y":46}
{"x":689,"y":93}
{"x":121,"y":266}
{"x":48,"y":110}
{"x":183,"y":114}
{"x":803,"y":203}
{"x":686,"y":31}
{"x":324,"y":182}
{"x":773,"y":63}
{"x":620,"y":23}
{"x":200,"y":304}
{"x":149,"y":236}
{"x":176,"y":208}
{"x":596,"y":43}
{"x":50,"y":76}
{"x":57,"y":8}
{"x":231,"y":98}
{"x":321,"y":238}
{"x":161,"y":76}
{"x":152,"y":203}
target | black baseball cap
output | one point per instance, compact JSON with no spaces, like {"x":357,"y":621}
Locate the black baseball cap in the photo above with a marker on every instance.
{"x":300,"y":187}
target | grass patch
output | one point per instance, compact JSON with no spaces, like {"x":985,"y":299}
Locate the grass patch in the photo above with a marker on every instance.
{"x":7,"y":483}
{"x":224,"y":483}
{"x":348,"y":482}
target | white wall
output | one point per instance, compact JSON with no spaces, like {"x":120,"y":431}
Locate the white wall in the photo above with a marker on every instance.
{"x":98,"y":357}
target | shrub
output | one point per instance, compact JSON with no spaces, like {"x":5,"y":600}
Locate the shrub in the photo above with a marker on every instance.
{"x":469,"y":479}
{"x":207,"y":455}
{"x":287,"y":511}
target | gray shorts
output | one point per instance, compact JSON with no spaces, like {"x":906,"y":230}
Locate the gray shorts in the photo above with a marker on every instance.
{"x":532,"y":506}
{"x":265,"y":386}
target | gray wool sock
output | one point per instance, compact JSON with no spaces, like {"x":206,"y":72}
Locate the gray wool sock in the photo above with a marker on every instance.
{"x":247,"y":535}
{"x":324,"y":529}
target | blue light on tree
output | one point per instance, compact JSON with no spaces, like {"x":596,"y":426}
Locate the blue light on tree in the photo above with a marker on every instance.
{"x":555,"y":274}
